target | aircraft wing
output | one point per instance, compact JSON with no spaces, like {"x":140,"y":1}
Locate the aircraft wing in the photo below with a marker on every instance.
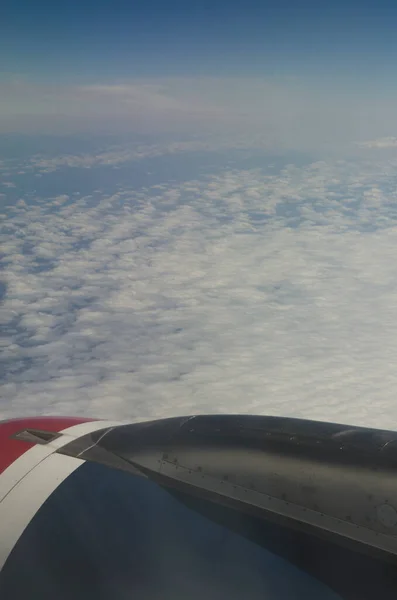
{"x":320,"y":496}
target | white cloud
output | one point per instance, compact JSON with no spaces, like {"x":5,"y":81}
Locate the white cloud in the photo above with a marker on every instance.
{"x":245,"y":292}
{"x":385,"y":142}
{"x":137,"y":106}
{"x":125,"y":153}
{"x":288,"y":113}
{"x":138,"y":96}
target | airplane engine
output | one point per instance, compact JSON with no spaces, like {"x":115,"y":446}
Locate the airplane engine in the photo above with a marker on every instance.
{"x":221,"y":507}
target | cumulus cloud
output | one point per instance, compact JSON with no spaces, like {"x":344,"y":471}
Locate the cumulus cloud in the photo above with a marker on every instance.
{"x":132,"y":152}
{"x":241,"y":292}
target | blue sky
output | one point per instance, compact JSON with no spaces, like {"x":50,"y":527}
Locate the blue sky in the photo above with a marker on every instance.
{"x":107,"y":40}
{"x":304,"y":74}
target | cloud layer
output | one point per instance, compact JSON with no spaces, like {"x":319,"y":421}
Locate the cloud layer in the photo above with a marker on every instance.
{"x":243,"y":292}
{"x":381,"y":143}
{"x":289,"y":112}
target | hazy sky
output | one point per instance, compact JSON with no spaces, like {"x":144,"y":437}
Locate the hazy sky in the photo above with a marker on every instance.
{"x":303,"y":73}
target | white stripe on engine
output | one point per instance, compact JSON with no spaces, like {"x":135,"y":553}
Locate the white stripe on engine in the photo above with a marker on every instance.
{"x":32,"y":457}
{"x":27,"y":483}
